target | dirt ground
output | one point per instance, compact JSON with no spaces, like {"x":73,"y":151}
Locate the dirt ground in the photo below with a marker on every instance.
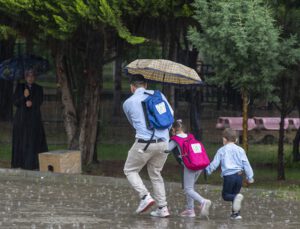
{"x":171,"y":172}
{"x":114,"y":168}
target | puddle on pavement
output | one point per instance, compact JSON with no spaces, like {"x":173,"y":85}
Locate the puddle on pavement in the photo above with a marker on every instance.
{"x":48,"y":201}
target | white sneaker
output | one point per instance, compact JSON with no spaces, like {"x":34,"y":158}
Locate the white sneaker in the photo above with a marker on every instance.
{"x":205,"y":208}
{"x":163,"y":213}
{"x":145,"y":204}
{"x":237,"y":202}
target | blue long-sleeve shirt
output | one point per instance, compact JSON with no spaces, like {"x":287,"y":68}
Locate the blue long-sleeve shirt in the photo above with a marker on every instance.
{"x":233,"y":159}
{"x":133,"y":110}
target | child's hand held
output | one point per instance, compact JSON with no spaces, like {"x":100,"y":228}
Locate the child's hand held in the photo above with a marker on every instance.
{"x":250,"y":181}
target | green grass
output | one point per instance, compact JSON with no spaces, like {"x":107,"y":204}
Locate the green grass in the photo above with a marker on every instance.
{"x":258,"y":155}
{"x":5,"y":152}
{"x":262,"y":157}
{"x":113,"y":152}
{"x":44,"y":84}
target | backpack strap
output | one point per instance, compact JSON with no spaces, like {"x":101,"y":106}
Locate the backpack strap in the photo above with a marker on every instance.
{"x":148,"y":93}
{"x":190,"y":136}
{"x":187,"y":140}
{"x":144,"y":106}
{"x":149,"y":142}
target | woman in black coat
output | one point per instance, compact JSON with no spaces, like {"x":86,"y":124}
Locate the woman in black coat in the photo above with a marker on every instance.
{"x":28,"y":132}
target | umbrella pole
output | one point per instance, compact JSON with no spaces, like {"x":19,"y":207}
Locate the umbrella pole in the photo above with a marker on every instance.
{"x":163,"y":85}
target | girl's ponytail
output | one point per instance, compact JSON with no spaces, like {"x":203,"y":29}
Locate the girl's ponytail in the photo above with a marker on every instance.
{"x":178,"y":125}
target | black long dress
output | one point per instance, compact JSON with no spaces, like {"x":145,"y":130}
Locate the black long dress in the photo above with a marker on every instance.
{"x":28,"y":132}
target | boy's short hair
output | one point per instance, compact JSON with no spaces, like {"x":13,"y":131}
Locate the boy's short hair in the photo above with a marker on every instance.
{"x":137,"y":80}
{"x":230,"y":135}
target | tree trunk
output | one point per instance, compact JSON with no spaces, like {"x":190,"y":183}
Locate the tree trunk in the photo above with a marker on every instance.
{"x":6,"y":92}
{"x":280,"y":166}
{"x":29,"y":45}
{"x":194,"y":92}
{"x":6,"y":87}
{"x":283,"y":113}
{"x":296,"y":141}
{"x":195,"y":108}
{"x":89,"y":119}
{"x":69,"y":112}
{"x":91,"y":101}
{"x":95,"y":157}
{"x":118,"y":79}
{"x":219,"y":98}
{"x":172,"y":55}
{"x":245,"y":98}
{"x":79,"y":72}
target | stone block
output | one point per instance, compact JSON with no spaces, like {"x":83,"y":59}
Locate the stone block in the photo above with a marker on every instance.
{"x":60,"y":161}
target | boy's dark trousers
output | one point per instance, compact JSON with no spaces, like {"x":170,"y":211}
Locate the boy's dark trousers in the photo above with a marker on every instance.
{"x":232,"y":185}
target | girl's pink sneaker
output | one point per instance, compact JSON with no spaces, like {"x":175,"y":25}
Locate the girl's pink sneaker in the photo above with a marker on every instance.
{"x":188,"y":213}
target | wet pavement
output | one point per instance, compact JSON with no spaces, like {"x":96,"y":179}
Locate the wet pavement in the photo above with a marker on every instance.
{"x":44,"y":200}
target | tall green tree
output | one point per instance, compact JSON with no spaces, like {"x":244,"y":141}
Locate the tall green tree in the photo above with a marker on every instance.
{"x":77,"y":33}
{"x":241,"y":40}
{"x":287,"y":89}
{"x":288,"y":83}
{"x":82,"y":36}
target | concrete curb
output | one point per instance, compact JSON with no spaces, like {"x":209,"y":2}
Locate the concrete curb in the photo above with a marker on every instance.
{"x":60,"y":177}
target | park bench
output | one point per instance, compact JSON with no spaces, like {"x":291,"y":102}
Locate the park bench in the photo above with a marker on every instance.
{"x":265,"y":128}
{"x":235,"y":123}
{"x":270,"y":123}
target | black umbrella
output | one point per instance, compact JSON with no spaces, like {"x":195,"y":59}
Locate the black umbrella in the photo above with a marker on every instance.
{"x":14,"y":68}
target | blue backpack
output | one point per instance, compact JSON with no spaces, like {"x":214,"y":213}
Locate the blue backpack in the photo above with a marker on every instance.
{"x":157,"y":112}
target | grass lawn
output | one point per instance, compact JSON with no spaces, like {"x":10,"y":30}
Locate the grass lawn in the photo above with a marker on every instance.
{"x":263,"y":159}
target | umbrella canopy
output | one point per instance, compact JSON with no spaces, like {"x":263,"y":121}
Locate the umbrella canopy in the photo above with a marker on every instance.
{"x":14,"y":68}
{"x":164,"y":71}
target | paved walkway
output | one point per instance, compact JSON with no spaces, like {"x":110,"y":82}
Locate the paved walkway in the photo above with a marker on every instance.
{"x":43,"y":200}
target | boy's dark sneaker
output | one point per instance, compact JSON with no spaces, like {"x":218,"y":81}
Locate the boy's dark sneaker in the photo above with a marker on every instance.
{"x":235,"y":216}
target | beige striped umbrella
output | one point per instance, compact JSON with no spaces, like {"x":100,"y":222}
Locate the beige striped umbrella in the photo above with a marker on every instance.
{"x":164,"y":71}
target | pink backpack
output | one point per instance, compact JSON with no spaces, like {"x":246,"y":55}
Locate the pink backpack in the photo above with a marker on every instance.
{"x":192,"y":152}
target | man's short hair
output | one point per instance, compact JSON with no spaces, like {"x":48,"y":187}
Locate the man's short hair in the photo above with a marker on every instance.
{"x":230,"y":135}
{"x":137,"y":80}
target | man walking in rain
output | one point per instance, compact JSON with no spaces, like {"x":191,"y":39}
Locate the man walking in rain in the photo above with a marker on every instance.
{"x":154,"y":157}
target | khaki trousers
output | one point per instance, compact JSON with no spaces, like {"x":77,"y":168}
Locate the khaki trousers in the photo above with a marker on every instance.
{"x":155,"y":158}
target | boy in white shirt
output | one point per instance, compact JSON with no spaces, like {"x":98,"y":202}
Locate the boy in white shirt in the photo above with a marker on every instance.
{"x":234,"y":161}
